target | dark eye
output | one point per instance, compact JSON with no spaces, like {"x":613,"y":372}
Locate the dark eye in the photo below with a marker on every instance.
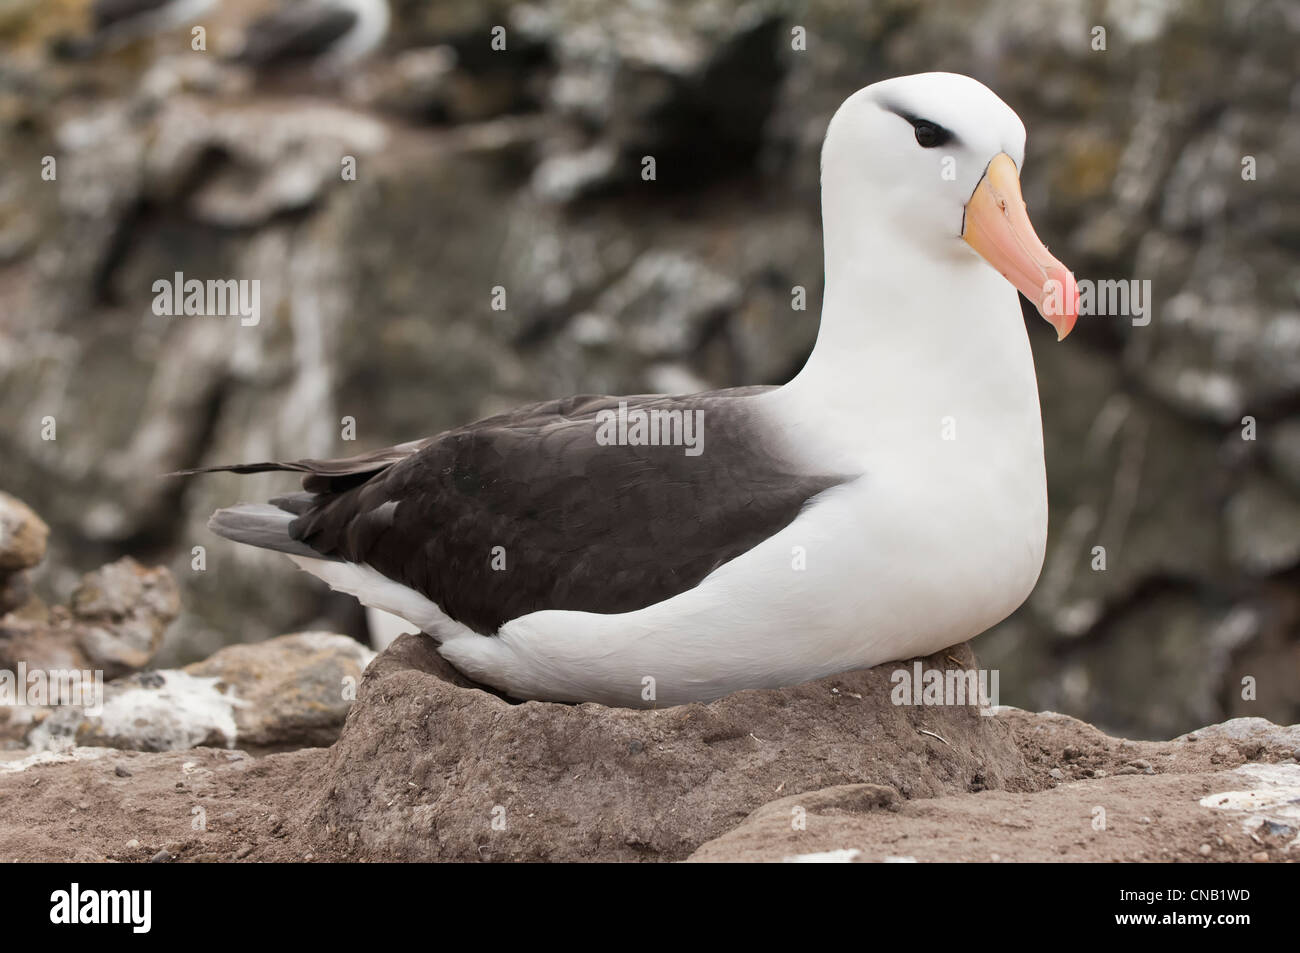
{"x":929,"y":135}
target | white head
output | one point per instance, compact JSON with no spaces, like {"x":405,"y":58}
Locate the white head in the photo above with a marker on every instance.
{"x":931,"y":163}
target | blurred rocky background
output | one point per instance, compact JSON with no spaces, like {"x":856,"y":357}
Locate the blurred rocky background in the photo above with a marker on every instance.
{"x":1175,"y":446}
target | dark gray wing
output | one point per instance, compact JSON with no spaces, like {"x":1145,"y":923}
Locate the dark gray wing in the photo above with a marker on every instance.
{"x":579,"y":525}
{"x":111,"y":13}
{"x":296,"y":32}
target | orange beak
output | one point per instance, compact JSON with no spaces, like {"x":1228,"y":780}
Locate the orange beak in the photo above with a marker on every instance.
{"x":997,"y":226}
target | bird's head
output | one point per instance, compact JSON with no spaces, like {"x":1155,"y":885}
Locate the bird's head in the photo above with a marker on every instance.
{"x":936,"y":158}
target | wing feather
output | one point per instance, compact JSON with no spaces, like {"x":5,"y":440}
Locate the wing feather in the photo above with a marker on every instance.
{"x":528,"y":510}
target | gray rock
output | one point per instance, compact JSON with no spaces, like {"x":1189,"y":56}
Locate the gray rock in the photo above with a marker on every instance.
{"x":1253,"y":730}
{"x":114,"y":623}
{"x":122,"y":611}
{"x":292,"y":691}
{"x":278,"y":161}
{"x":22,"y":535}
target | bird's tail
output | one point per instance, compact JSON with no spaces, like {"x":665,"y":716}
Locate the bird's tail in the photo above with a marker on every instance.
{"x":324,"y":476}
{"x":265,"y":525}
{"x":268,"y":525}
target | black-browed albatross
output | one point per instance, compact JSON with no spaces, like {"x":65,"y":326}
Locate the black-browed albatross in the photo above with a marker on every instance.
{"x":329,"y":34}
{"x":116,"y":23}
{"x":887,"y":502}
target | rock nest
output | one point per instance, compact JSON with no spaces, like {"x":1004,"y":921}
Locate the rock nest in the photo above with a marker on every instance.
{"x":430,"y":767}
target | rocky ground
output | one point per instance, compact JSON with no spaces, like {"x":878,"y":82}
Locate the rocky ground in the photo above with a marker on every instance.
{"x":811,"y":773}
{"x":1230,"y":792}
{"x":309,"y":747}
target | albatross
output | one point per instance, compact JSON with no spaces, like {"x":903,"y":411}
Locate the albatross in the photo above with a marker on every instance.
{"x":329,"y":34}
{"x":118,"y":22}
{"x":888,"y":502}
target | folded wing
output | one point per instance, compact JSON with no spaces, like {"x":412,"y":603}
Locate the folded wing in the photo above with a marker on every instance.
{"x":537,"y":508}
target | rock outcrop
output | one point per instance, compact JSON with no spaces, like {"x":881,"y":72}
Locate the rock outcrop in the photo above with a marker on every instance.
{"x":112,"y":626}
{"x":1185,"y":800}
{"x":430,"y":768}
{"x":23,"y":536}
{"x":114,"y":623}
{"x":1103,"y":798}
{"x":289,"y":692}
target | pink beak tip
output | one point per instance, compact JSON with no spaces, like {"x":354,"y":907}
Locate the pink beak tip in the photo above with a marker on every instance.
{"x":1060,"y":302}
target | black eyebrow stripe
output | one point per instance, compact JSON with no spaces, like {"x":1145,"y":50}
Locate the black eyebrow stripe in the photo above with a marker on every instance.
{"x":913,"y":119}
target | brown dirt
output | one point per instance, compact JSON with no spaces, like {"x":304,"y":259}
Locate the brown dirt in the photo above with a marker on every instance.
{"x":84,"y":810}
{"x":1146,"y":819}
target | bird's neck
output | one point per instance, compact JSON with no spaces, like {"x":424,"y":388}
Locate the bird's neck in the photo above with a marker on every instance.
{"x":913,"y":338}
